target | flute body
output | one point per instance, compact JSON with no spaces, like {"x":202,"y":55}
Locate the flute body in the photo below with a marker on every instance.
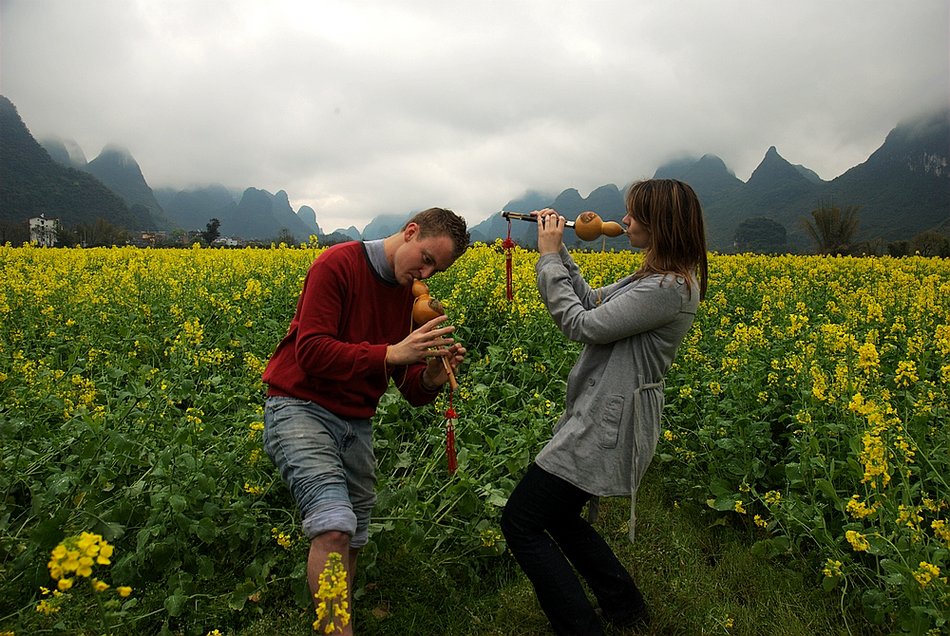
{"x":521,"y":216}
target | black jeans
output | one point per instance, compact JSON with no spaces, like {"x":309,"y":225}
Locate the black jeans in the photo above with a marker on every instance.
{"x":544,"y":529}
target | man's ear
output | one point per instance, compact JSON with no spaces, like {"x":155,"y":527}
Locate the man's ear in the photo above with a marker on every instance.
{"x":411,"y":230}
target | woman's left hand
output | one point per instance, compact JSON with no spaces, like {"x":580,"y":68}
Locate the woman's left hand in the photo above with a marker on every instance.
{"x":550,"y":231}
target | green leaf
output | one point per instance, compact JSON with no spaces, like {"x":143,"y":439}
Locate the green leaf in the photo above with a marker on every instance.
{"x":828,"y":490}
{"x":829,"y":583}
{"x":175,"y":603}
{"x":206,"y":529}
{"x":177,"y":502}
{"x":237,"y":600}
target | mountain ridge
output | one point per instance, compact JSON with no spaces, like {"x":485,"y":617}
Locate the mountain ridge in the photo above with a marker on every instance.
{"x":902,"y":189}
{"x":33,"y":184}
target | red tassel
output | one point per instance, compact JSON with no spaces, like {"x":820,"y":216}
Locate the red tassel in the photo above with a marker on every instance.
{"x":509,"y":245}
{"x":450,"y":417}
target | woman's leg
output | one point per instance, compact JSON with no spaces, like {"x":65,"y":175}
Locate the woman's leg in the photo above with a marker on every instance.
{"x":618,"y":595}
{"x":537,"y":503}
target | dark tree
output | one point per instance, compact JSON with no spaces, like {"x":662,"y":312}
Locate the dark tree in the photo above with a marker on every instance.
{"x":15,"y":233}
{"x":285,"y":236}
{"x":930,"y":243}
{"x":760,"y":234}
{"x":99,"y":233}
{"x":832,"y":228}
{"x":211,"y":232}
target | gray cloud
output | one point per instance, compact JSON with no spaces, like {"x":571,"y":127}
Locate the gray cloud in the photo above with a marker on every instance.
{"x":365,"y":108}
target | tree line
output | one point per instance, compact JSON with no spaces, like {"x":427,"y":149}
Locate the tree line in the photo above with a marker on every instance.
{"x":833,"y":230}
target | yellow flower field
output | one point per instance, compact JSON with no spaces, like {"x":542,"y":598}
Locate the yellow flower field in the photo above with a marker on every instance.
{"x":809,"y":404}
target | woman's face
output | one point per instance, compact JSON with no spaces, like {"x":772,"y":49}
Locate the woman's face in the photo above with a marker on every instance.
{"x":638,"y":234}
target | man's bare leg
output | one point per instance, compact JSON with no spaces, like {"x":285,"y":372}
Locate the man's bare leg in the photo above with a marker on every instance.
{"x":321,"y":546}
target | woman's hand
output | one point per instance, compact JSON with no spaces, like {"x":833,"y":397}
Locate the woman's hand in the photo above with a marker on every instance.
{"x":550,"y":231}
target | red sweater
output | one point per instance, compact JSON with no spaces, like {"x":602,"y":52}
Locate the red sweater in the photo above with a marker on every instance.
{"x":334,"y":353}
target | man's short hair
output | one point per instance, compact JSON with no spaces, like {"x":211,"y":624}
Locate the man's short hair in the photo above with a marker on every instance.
{"x":442,"y":222}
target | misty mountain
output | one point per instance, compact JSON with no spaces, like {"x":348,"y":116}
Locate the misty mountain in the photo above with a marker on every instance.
{"x":118,"y":170}
{"x":192,"y":210}
{"x":708,"y":175}
{"x":383,"y":226}
{"x":901,"y":190}
{"x":262,"y":215}
{"x":32,"y":183}
{"x":65,"y":151}
{"x":904,"y":186}
{"x":254,"y":214}
{"x":347,"y":234}
{"x":522,"y":233}
{"x":309,"y":216}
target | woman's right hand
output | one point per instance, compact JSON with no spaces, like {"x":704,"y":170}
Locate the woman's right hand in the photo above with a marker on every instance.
{"x":550,"y":231}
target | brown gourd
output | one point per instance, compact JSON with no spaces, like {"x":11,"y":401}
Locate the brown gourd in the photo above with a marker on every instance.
{"x":419,"y":288}
{"x":611,"y":229}
{"x":587,"y":226}
{"x":425,"y":308}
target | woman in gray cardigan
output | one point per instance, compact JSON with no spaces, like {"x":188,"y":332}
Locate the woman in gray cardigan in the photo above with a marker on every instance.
{"x":606,"y":437}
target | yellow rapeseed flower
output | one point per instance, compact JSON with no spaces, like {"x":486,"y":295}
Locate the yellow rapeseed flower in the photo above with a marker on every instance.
{"x":78,"y":555}
{"x":282,"y":538}
{"x":857,"y":540}
{"x":906,"y":373}
{"x":832,"y":568}
{"x":925,"y":573}
{"x":333,"y":607}
{"x":868,"y":359}
{"x":941,"y":530}
{"x":859,"y":509}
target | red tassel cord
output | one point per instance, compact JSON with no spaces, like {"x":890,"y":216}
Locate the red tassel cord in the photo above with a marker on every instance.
{"x":509,"y":245}
{"x":450,"y":420}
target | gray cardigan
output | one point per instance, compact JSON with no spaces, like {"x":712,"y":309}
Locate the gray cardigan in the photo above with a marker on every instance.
{"x":606,"y":437}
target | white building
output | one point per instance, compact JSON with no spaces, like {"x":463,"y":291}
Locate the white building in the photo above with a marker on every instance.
{"x":44,"y":231}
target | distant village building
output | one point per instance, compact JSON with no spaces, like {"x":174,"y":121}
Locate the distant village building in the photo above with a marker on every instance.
{"x":44,"y":231}
{"x":226,"y":241}
{"x":150,"y":239}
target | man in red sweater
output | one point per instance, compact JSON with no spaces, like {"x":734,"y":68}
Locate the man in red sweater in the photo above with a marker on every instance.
{"x":351,"y":334}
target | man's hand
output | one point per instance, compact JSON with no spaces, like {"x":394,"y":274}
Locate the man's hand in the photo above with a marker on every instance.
{"x":435,"y":374}
{"x":422,"y":344}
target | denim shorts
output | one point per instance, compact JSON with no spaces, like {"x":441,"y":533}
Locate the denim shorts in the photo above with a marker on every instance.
{"x":327,"y":463}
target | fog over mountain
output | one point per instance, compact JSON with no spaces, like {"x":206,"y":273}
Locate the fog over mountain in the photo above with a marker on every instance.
{"x":359,"y":110}
{"x":902,"y":189}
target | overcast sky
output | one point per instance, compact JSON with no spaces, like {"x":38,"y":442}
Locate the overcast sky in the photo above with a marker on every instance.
{"x":361,"y":108}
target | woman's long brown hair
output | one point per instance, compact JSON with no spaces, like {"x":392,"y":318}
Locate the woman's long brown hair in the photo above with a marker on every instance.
{"x":671,"y":211}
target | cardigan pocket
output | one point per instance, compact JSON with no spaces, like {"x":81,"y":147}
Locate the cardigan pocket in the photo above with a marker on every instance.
{"x":610,"y":421}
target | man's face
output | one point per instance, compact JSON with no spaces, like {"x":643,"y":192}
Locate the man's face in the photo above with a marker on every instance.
{"x":421,"y":257}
